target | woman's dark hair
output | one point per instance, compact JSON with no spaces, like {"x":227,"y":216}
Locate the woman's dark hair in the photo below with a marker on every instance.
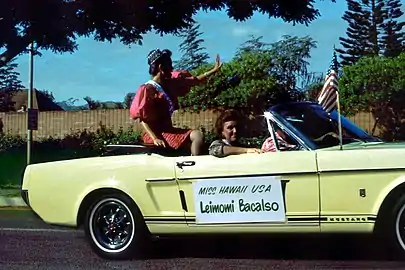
{"x":157,"y":57}
{"x":225,"y":116}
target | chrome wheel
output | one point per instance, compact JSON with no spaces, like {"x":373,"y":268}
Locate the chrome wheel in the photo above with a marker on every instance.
{"x":400,"y":226}
{"x":112,"y":225}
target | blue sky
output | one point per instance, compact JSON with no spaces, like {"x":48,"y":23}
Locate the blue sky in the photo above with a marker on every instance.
{"x":107,"y":71}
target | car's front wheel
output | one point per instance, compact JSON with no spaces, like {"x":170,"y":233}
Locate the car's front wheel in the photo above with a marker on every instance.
{"x":392,"y":235}
{"x":115,"y":228}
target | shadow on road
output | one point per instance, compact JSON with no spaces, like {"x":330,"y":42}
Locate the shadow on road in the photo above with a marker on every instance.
{"x":308,"y":247}
{"x":280,"y":247}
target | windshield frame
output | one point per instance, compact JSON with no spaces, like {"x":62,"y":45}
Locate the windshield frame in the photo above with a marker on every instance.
{"x":289,"y":129}
{"x":348,"y":125}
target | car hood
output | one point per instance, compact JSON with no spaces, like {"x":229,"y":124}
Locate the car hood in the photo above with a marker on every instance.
{"x":361,"y":156}
{"x":369,"y":146}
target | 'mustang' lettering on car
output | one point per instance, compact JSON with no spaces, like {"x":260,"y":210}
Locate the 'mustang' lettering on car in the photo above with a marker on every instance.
{"x":243,"y":206}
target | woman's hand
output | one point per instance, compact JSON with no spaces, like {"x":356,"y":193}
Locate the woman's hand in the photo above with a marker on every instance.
{"x":159,"y":142}
{"x":215,"y":69}
{"x":253,"y":151}
{"x":218,"y":64}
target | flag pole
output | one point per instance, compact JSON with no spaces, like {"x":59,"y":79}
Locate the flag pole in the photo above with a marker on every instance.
{"x":336,"y":68}
{"x":29,"y":100}
{"x":339,"y":121}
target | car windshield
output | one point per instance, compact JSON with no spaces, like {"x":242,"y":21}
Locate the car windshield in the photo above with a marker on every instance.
{"x":319,"y":127}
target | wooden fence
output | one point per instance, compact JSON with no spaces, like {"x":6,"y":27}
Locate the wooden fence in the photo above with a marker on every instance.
{"x":60,"y":123}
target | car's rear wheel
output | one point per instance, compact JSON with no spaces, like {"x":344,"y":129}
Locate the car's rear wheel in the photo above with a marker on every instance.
{"x":115,"y":228}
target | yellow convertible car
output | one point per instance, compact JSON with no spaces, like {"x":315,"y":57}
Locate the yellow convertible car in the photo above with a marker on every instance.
{"x":124,"y":198}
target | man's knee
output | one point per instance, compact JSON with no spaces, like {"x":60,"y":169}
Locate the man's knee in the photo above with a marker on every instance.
{"x":196,"y":135}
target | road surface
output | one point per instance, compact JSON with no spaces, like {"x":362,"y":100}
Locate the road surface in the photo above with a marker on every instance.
{"x":27,"y":243}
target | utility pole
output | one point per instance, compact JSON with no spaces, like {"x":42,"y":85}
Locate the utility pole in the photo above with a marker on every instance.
{"x":29,"y":96}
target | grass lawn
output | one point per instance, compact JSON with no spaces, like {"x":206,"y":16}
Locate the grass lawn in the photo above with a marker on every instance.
{"x":13,"y":161}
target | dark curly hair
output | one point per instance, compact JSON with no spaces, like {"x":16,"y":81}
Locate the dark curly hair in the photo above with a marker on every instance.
{"x":225,"y":116}
{"x":159,"y":57}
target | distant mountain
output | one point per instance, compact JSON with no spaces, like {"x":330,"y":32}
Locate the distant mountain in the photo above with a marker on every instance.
{"x":67,"y":106}
{"x":70,"y":107}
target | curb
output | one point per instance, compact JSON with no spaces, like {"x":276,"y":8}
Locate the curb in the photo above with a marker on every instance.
{"x":12,"y":202}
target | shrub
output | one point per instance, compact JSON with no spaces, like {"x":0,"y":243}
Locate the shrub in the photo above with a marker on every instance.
{"x":8,"y":141}
{"x":76,"y":139}
{"x":79,"y":143}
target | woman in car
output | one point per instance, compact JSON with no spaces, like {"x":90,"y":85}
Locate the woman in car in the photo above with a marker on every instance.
{"x":156,"y":100}
{"x":226,"y":128}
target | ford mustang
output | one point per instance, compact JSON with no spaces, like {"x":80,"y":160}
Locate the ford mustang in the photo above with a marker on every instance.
{"x":354,"y":183}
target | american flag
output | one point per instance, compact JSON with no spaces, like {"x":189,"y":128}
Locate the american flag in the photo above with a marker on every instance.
{"x":328,"y":96}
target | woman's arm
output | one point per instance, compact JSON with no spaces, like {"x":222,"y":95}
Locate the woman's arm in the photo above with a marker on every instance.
{"x":233,"y":150}
{"x":152,"y":134}
{"x":216,"y":68}
{"x":220,"y":149}
{"x":203,"y":76}
{"x":149,"y":130}
{"x":186,"y":81}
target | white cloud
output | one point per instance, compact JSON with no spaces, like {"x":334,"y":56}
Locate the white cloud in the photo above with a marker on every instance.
{"x":241,"y":31}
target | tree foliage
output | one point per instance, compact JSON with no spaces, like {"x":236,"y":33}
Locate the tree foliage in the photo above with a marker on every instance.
{"x":365,"y":18}
{"x":9,"y":77}
{"x":259,"y":76}
{"x":128,"y":100}
{"x":55,"y":24}
{"x":376,"y":84}
{"x":92,"y":104}
{"x":393,"y":36}
{"x":48,"y":94}
{"x":192,"y":49}
{"x":288,"y":58}
{"x":102,"y":105}
{"x":373,"y":30}
{"x":255,"y":89}
{"x":253,"y":44}
{"x":9,"y":84}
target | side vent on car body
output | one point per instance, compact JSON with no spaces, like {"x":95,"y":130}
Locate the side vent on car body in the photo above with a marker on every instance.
{"x":183,"y":200}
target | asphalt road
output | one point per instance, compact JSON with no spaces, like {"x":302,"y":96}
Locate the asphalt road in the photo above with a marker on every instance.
{"x":27,"y":243}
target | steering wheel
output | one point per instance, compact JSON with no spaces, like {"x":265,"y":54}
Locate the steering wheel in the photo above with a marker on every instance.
{"x":334,"y":135}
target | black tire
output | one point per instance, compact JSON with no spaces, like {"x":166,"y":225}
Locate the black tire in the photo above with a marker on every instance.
{"x":136,"y":238}
{"x":392,"y":233}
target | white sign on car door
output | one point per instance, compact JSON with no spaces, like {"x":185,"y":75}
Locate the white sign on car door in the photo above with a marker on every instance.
{"x":239,"y":200}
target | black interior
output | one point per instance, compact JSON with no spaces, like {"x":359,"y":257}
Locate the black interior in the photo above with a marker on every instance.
{"x":120,"y":150}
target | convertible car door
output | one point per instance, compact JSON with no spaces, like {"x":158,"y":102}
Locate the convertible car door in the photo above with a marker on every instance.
{"x":273,"y":190}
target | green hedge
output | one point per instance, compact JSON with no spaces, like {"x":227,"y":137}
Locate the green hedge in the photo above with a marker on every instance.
{"x":13,"y":161}
{"x":13,"y":152}
{"x":75,"y":145}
